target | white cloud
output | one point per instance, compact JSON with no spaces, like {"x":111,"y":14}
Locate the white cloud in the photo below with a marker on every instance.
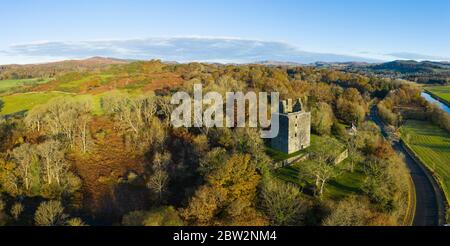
{"x":418,"y":57}
{"x":181,"y":49}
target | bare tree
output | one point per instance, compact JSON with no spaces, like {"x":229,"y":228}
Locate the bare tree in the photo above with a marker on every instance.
{"x":83,"y":122}
{"x":321,"y":172}
{"x":50,"y":213}
{"x":75,"y":222}
{"x":282,"y":203}
{"x":24,"y":157}
{"x":35,"y":118}
{"x":353,"y":211}
{"x":148,"y":107}
{"x":321,"y":167}
{"x":157,"y":182}
{"x":63,"y":116}
{"x":164,"y":108}
{"x":16,"y":210}
{"x":111,"y":104}
{"x":131,"y":113}
{"x":136,"y":116}
{"x":52,"y":156}
{"x":353,"y":154}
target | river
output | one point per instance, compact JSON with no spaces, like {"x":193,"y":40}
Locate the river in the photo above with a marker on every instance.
{"x":430,"y":99}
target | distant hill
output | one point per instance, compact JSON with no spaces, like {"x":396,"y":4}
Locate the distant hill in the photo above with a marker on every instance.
{"x":278,"y":63}
{"x":51,"y":69}
{"x":411,"y":66}
{"x":425,"y":72}
{"x":337,"y":65}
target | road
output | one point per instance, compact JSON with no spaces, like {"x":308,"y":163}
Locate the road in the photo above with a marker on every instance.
{"x":429,"y":200}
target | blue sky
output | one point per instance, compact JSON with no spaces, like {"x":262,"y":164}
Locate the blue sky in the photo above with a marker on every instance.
{"x":228,"y":31}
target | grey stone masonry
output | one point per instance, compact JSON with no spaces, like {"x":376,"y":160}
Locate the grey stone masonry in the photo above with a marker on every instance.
{"x":295,"y":127}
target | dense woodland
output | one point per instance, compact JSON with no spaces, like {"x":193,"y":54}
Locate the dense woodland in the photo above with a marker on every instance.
{"x":406,"y":103}
{"x":61,"y":163}
{"x":424,"y":72}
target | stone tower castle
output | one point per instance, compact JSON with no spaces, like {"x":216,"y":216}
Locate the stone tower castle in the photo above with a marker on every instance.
{"x":295,"y":127}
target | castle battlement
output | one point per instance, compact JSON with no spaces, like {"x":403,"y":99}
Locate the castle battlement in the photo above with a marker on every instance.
{"x":295,"y":127}
{"x":291,"y":106}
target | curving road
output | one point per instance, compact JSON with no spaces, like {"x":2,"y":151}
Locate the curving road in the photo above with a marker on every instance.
{"x":429,"y":200}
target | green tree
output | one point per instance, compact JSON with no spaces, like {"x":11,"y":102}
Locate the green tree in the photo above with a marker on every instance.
{"x":351,"y":107}
{"x":322,"y":118}
{"x":350,"y":112}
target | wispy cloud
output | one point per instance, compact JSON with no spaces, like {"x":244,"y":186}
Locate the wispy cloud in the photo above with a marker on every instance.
{"x":181,"y":49}
{"x":186,"y":49}
{"x":418,"y":57}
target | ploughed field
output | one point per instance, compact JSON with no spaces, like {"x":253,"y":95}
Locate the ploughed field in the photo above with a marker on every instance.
{"x":431,"y":145}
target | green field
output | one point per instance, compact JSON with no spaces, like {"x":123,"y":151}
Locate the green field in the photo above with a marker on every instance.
{"x":432,"y":145}
{"x":16,"y":99}
{"x":6,"y":85}
{"x":25,"y":101}
{"x":76,"y":84}
{"x":443,"y":92}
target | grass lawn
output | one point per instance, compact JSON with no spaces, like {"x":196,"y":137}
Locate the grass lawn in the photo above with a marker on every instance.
{"x":316,"y":142}
{"x":6,"y":85}
{"x":281,"y":156}
{"x":432,"y":145}
{"x":442,"y":92}
{"x":338,"y":188}
{"x":345,"y":184}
